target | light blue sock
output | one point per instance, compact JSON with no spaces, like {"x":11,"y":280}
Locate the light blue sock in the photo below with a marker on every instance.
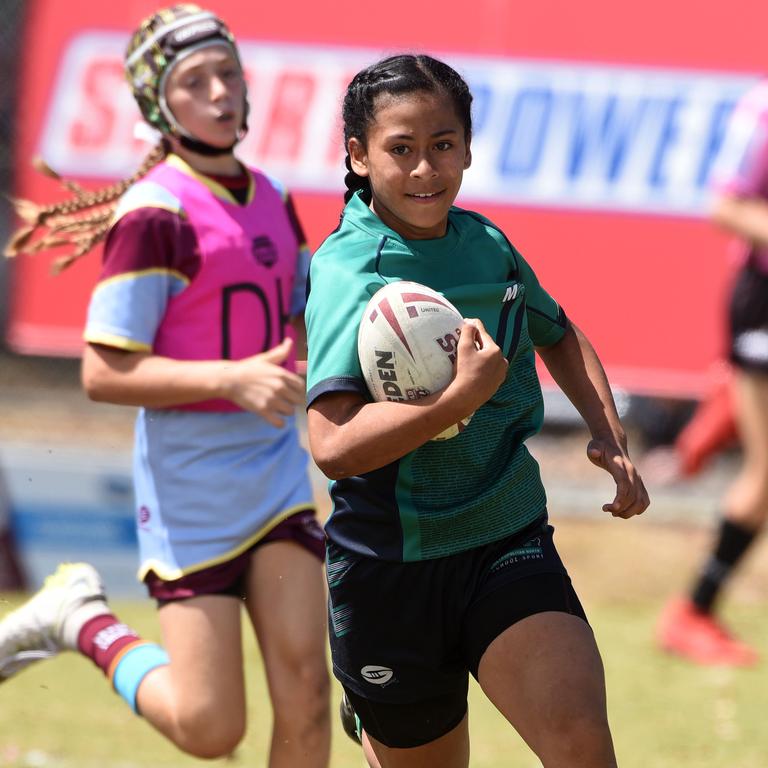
{"x":134,"y":667}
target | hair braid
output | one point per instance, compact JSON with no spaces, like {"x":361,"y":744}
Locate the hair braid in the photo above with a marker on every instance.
{"x":79,"y":223}
{"x":354,"y":181}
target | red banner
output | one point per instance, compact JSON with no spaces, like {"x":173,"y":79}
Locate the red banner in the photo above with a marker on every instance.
{"x":595,"y":137}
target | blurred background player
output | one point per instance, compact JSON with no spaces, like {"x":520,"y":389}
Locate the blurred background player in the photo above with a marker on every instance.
{"x":441,"y":561}
{"x":688,"y":626}
{"x":703,"y":432}
{"x":196,"y":318}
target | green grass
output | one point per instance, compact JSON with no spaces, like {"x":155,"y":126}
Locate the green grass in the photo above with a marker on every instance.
{"x":664,"y":713}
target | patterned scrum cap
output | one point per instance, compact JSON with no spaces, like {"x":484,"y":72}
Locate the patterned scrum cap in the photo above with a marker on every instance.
{"x":162,"y":41}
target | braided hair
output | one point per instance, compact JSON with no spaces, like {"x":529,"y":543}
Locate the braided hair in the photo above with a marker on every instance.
{"x":397,"y":76}
{"x":77,"y":224}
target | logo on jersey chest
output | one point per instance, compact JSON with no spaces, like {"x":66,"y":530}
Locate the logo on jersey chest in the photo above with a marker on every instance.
{"x":510,"y":294}
{"x":264,"y":250}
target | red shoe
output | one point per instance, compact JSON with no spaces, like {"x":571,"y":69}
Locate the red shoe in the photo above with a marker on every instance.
{"x":698,"y":637}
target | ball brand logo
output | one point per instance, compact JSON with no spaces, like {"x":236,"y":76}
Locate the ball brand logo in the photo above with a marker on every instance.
{"x":264,"y":251}
{"x":449,"y":343}
{"x":387,"y":373}
{"x":376,"y":674}
{"x":416,"y":393}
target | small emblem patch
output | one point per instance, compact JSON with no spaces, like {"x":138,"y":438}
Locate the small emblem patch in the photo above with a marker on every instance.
{"x":264,"y":251}
{"x":376,"y":674}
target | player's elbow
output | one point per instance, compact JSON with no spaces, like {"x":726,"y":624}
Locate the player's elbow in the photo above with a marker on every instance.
{"x":100,"y":383}
{"x":333,"y":442}
{"x":331,"y":460}
{"x":94,"y":384}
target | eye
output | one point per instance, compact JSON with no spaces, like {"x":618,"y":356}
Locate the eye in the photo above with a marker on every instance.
{"x":443,"y":146}
{"x":191,"y":82}
{"x":400,"y":149}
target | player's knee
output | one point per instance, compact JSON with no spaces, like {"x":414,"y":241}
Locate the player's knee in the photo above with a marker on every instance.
{"x":747,"y":504}
{"x":210,"y":735}
{"x":582,"y":739}
{"x":306,"y":697}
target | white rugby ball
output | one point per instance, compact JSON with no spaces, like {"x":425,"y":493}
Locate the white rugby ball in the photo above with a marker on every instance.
{"x":407,"y":344}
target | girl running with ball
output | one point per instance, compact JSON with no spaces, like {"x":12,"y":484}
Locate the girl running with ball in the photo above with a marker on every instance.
{"x":441,"y":561}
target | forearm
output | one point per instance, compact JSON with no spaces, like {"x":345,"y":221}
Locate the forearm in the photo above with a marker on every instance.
{"x":152,"y":381}
{"x":577,"y":370}
{"x":361,"y":436}
{"x":349,"y":436}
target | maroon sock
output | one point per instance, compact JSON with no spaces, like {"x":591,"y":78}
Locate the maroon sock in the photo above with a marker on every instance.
{"x":102,"y":638}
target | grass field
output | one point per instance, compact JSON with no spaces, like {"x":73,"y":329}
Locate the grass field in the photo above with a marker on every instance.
{"x":664,"y":713}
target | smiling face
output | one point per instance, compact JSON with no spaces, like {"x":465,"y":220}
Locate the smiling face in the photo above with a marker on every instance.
{"x":414,"y":156}
{"x":206,"y":94}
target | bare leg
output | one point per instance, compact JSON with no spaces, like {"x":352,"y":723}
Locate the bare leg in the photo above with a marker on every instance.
{"x":545,"y":675}
{"x":368,"y":753}
{"x":746,"y":501}
{"x":198,"y":700}
{"x":286,"y":601}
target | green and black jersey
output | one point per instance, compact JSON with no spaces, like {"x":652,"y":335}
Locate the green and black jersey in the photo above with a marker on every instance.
{"x":452,"y":495}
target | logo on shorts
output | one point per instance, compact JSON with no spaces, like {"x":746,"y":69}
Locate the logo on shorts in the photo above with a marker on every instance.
{"x":531,"y":550}
{"x":376,"y":674}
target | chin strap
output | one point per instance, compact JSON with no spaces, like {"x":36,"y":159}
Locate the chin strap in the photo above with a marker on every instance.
{"x":201,"y":148}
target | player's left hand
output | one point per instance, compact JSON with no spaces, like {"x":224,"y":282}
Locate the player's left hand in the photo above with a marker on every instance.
{"x":631,"y":496}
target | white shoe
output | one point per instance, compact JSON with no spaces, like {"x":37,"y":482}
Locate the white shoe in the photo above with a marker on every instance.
{"x":50,"y":621}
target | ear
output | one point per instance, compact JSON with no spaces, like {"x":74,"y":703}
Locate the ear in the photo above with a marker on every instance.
{"x":358,"y":157}
{"x":467,"y":157}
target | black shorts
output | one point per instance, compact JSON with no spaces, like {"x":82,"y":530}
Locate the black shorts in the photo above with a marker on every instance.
{"x":748,"y":315}
{"x":405,"y":636}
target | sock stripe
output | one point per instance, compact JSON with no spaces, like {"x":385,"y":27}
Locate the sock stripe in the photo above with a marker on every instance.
{"x":135,"y":664}
{"x":118,"y":657}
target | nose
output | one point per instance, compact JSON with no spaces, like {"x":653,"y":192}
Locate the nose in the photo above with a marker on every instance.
{"x":424,"y":169}
{"x":218,"y":88}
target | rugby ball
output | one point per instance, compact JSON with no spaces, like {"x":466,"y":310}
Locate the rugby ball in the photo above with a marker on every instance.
{"x":407,"y":343}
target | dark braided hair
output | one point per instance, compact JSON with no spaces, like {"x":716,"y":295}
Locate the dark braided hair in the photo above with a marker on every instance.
{"x":397,"y":76}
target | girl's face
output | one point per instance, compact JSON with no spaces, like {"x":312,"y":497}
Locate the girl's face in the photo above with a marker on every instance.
{"x":206,"y":94}
{"x":415,"y":157}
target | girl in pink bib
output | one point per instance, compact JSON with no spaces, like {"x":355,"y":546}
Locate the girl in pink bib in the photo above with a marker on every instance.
{"x":197,"y":319}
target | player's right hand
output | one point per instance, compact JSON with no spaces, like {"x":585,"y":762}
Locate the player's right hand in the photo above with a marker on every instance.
{"x":480,"y":364}
{"x":261,"y":385}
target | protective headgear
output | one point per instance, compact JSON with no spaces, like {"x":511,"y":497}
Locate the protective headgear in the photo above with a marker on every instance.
{"x":160,"y":43}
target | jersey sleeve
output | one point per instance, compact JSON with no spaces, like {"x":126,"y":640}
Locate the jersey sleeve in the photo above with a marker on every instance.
{"x":334,"y":308}
{"x":546,"y":319}
{"x":150,"y":255}
{"x":742,"y":165}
